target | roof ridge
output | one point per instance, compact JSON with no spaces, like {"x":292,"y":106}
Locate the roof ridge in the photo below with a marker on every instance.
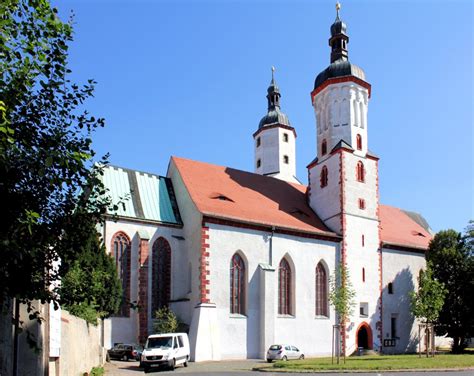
{"x":173,"y":157}
{"x":134,"y":170}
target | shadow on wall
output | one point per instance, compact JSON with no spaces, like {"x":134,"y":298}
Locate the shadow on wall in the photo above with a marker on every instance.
{"x":253,"y":319}
{"x":124,"y":329}
{"x":397,"y":311}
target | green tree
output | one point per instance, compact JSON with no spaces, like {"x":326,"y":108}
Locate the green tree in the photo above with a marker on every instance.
{"x":426,"y":303}
{"x":450,"y":255}
{"x":341,"y":296}
{"x":165,"y":321}
{"x":51,"y":192}
{"x":91,"y":288}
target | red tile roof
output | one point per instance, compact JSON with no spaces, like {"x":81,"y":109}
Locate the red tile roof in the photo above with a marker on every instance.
{"x":224,"y":192}
{"x":397,"y":228}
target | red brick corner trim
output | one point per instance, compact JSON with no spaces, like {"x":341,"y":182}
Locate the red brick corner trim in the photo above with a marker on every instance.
{"x":143,"y":251}
{"x":204,"y":272}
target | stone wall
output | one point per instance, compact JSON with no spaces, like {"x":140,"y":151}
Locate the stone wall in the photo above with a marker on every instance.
{"x":80,"y":346}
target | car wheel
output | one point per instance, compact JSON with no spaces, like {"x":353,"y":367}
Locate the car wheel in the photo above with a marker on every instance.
{"x":269,"y":360}
{"x":284,"y":358}
{"x":301,"y":357}
{"x":146,"y":369}
{"x":173,"y":365}
{"x":125,"y":358}
{"x":185,"y":362}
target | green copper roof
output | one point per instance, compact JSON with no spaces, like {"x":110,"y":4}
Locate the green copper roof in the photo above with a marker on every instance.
{"x":144,"y":196}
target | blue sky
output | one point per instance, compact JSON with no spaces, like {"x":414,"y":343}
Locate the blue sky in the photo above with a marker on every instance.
{"x":189,"y":78}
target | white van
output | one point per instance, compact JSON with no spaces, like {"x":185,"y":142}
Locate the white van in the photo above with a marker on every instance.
{"x":169,"y":349}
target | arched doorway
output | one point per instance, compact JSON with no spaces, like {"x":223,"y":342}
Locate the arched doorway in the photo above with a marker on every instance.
{"x":364,"y":336}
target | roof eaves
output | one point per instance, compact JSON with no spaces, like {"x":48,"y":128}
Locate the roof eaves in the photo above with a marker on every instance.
{"x":142,"y":220}
{"x":273,"y":225}
{"x":415,"y":248}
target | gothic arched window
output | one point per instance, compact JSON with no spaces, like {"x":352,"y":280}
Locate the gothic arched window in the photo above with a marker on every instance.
{"x":359,"y":142}
{"x":161,"y":274}
{"x":360,"y":172}
{"x":324,"y":176}
{"x":237,"y":285}
{"x":324,"y":147}
{"x":121,"y":251}
{"x":284,"y":288}
{"x":321,"y":291}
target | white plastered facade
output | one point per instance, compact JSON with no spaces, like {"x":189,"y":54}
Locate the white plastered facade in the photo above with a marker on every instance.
{"x":275,"y":153}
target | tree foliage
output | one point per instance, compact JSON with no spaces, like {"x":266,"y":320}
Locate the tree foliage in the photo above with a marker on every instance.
{"x":165,"y":321}
{"x":342,"y":294}
{"x":51,"y":193}
{"x":91,"y":288}
{"x":426,"y":303}
{"x":451,"y":257}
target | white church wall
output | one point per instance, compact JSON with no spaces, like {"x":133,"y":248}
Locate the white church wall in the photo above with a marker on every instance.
{"x":341,"y":112}
{"x":311,"y":334}
{"x":401,"y":268}
{"x":363,"y":262}
{"x":268,"y":152}
{"x":286,"y":148}
{"x":326,"y":201}
{"x":125,"y":329}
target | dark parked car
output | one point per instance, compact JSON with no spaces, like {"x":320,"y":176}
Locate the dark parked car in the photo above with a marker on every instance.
{"x":124,"y":351}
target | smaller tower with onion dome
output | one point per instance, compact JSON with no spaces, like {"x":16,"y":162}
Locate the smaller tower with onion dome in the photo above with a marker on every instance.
{"x":274,"y":141}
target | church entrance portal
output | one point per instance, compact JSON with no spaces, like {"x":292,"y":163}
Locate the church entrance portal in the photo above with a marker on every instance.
{"x":364,"y":336}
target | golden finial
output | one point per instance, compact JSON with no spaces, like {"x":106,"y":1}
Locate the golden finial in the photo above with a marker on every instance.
{"x":338,"y":6}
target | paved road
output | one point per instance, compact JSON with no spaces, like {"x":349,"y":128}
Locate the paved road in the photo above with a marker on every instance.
{"x":244,"y":368}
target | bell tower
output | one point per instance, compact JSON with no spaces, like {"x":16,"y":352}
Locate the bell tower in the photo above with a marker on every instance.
{"x":343,"y":179}
{"x":274,"y":141}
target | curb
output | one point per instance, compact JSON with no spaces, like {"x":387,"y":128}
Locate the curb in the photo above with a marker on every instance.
{"x":280,"y":370}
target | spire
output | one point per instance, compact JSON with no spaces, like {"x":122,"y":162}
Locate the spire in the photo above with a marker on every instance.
{"x":274,"y":114}
{"x":273,"y":93}
{"x":339,"y":38}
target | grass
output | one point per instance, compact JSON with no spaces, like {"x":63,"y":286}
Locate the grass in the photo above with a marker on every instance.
{"x":97,"y":371}
{"x":381,"y":362}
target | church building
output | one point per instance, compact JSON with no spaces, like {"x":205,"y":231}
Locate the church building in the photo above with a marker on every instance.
{"x":244,"y":258}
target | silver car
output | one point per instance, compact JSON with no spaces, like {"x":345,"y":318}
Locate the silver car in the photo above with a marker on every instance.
{"x":283,"y":352}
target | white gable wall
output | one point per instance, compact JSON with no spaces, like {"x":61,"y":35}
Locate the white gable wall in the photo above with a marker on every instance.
{"x":401,"y":268}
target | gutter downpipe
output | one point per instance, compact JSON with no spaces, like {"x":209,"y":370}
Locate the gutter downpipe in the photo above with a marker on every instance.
{"x":270,"y":256}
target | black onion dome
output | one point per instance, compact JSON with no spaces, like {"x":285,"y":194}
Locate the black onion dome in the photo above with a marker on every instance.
{"x":339,"y":68}
{"x":274,"y":116}
{"x":338,"y":27}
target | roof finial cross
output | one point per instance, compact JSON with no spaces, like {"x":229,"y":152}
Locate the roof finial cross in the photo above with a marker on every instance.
{"x":338,"y":6}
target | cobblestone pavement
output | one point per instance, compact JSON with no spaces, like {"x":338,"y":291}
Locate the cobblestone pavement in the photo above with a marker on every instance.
{"x":244,"y":368}
{"x":120,"y":368}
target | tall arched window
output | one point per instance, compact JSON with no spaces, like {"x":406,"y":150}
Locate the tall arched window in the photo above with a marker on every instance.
{"x":237,"y":285}
{"x":284,"y":288}
{"x":121,"y":251}
{"x":359,"y":142}
{"x":324,"y":147}
{"x":321,"y":291}
{"x":324,"y":176}
{"x":161,"y":274}
{"x":360,"y":172}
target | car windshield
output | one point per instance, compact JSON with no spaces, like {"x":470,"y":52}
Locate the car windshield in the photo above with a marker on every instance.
{"x":275,"y":347}
{"x":159,"y":343}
